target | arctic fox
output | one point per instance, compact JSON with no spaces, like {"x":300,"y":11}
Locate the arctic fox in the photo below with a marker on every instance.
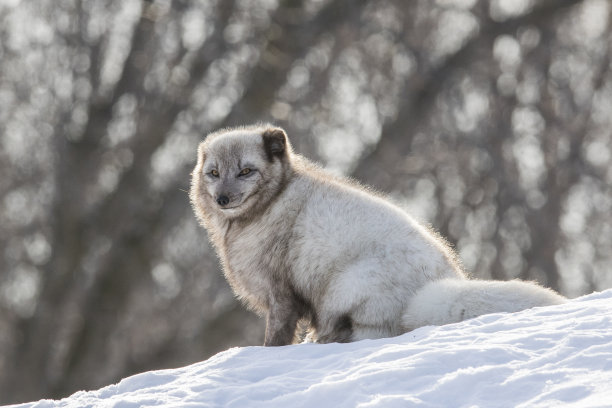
{"x":298,"y":243}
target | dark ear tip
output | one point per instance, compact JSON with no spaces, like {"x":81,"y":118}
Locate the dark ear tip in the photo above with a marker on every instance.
{"x":275,"y":142}
{"x":276,"y":133}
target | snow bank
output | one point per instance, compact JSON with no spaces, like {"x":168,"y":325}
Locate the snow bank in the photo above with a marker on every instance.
{"x":550,"y":356}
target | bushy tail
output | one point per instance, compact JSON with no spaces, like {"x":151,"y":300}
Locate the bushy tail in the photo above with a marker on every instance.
{"x":453,"y":300}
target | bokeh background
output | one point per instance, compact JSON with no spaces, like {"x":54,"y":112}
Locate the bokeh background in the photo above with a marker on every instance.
{"x":490,"y":120}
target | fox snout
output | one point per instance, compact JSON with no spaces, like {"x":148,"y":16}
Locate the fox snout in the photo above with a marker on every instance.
{"x":223,"y":200}
{"x":226,"y":199}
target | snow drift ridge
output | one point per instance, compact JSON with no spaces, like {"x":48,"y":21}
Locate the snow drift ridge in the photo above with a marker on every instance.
{"x":549,"y":356}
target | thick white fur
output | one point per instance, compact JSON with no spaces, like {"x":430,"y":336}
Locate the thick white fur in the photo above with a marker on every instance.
{"x":344,"y":252}
{"x":361,"y":255}
{"x":453,"y":300}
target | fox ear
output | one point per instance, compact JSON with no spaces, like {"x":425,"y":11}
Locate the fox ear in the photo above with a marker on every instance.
{"x":275,"y":143}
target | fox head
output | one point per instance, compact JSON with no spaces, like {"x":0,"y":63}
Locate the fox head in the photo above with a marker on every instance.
{"x":239,"y":171}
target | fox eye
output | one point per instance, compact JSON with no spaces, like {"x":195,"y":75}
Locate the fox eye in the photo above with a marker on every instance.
{"x":214,"y":173}
{"x":244,"y":171}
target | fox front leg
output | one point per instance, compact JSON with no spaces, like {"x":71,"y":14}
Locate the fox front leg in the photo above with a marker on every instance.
{"x":281,"y":322}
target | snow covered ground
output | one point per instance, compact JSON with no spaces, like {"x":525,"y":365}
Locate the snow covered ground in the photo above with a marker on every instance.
{"x":544,"y":357}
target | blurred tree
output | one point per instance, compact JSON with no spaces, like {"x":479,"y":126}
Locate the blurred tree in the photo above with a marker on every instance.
{"x":488,"y":119}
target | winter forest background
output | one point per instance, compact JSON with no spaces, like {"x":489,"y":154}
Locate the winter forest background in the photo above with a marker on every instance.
{"x":491,"y":120}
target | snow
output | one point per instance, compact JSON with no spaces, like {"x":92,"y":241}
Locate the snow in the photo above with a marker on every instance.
{"x":543,"y":357}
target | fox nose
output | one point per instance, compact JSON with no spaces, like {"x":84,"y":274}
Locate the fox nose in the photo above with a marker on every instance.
{"x":223,"y":200}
